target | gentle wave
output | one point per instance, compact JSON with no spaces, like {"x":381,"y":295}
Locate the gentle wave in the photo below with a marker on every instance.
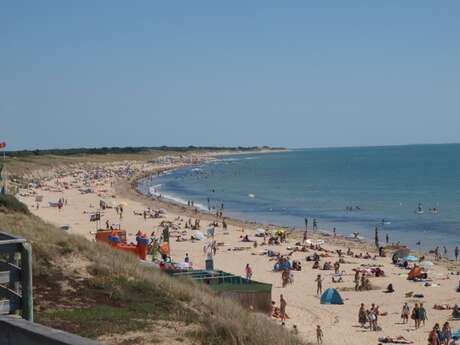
{"x":181,"y":201}
{"x":155,"y":191}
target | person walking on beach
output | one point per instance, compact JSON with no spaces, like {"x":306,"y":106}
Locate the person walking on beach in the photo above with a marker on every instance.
{"x":306,"y":224}
{"x":356,"y":280}
{"x":387,"y":238}
{"x":315,"y":224}
{"x":319,"y":284}
{"x":422,"y":315}
{"x":334,"y":232}
{"x":248,"y":271}
{"x":405,"y":313}
{"x":283,"y":305}
{"x":456,"y":253}
{"x":186,"y":259}
{"x":362,"y":317}
{"x":319,"y":335}
{"x":433,"y":337}
{"x":285,"y":278}
{"x":416,"y":316}
{"x":375,"y":316}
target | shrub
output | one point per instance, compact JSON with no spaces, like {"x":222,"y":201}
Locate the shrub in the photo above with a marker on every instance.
{"x":10,"y":203}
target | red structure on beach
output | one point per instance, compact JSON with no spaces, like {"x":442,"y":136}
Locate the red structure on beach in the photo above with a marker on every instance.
{"x":117,"y":240}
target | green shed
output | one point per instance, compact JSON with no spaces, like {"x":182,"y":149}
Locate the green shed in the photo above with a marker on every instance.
{"x":249,"y":293}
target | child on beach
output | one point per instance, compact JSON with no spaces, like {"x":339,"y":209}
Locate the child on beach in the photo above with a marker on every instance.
{"x":319,"y":335}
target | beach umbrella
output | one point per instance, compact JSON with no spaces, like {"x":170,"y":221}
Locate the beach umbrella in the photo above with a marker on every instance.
{"x":426,"y":265}
{"x":260,"y":232}
{"x":280,"y":232}
{"x":410,"y":258}
{"x":198,"y":235}
{"x":123,"y":204}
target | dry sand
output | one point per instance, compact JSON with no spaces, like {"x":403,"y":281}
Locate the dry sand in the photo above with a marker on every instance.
{"x":339,"y":322}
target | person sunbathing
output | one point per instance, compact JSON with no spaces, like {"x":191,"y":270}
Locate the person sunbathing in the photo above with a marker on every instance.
{"x":442,"y":307}
{"x":456,"y":312}
{"x":395,"y":340}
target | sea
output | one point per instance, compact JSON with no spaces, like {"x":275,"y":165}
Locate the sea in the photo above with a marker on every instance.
{"x":410,"y":193}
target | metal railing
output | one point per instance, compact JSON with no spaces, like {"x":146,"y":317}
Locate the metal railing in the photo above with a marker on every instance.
{"x":16,"y":331}
{"x":15,"y":276}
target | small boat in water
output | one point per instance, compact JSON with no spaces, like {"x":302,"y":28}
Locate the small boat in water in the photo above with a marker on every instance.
{"x":419,"y":209}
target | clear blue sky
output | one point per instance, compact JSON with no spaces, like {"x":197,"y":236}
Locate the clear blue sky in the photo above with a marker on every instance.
{"x":285,"y":73}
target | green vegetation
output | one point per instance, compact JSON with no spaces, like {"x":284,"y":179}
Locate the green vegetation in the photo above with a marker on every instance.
{"x":19,"y":163}
{"x":89,"y":289}
{"x":10,"y":203}
{"x":127,"y":150}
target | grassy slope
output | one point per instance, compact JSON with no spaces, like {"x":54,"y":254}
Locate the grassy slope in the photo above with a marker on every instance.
{"x":89,"y":289}
{"x":24,"y":165}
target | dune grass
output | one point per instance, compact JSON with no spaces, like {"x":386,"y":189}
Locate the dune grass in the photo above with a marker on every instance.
{"x":92,"y":290}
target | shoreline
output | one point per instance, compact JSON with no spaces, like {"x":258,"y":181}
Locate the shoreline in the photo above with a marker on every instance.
{"x":134,"y":193}
{"x":367,"y":233}
{"x":233,"y":254}
{"x":129,"y":189}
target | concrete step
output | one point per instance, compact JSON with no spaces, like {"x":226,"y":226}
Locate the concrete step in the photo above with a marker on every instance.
{"x":4,"y":307}
{"x":4,"y":277}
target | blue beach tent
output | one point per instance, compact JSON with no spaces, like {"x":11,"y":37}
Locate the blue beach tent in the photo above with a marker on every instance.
{"x":456,"y":334}
{"x":410,"y":258}
{"x":331,"y":296}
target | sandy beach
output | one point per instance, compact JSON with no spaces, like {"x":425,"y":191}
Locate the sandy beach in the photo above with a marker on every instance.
{"x":83,"y":187}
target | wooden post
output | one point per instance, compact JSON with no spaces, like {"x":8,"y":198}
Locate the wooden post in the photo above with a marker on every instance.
{"x":26,"y":282}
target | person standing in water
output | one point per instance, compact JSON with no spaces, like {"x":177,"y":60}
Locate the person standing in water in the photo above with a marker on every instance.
{"x":377,"y":237}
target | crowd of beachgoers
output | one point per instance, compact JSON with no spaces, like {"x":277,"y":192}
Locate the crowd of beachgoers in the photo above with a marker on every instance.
{"x":327,"y":289}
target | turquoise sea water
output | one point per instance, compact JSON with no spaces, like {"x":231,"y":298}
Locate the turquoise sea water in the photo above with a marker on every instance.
{"x":386,"y":183}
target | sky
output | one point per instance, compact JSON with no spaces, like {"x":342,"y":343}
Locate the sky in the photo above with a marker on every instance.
{"x":227,"y":73}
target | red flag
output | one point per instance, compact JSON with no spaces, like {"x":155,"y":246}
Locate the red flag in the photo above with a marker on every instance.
{"x":2,"y":145}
